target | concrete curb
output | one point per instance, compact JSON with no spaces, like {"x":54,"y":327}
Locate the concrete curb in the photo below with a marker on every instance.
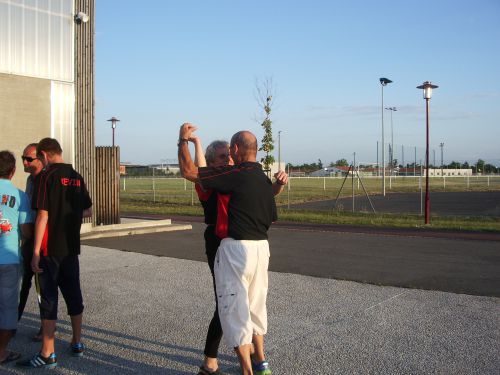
{"x":130,"y":228}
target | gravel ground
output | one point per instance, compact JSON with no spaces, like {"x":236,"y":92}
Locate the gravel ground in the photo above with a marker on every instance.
{"x":148,"y":315}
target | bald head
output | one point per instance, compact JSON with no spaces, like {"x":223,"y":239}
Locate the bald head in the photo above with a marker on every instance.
{"x":244,"y":147}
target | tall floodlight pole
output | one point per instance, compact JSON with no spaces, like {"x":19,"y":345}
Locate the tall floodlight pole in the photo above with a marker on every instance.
{"x":279,"y":150}
{"x":392,"y":109}
{"x":113,"y":120}
{"x":442,"y":146}
{"x":383,"y":82}
{"x":427,"y":87}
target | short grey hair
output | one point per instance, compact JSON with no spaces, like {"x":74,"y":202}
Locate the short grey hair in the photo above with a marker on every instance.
{"x":212,"y":147}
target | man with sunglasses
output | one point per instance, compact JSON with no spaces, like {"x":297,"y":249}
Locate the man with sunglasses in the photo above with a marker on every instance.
{"x":62,"y":201}
{"x":33,"y":166}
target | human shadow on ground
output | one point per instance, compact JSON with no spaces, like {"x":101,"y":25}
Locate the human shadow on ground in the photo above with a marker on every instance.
{"x":111,"y":352}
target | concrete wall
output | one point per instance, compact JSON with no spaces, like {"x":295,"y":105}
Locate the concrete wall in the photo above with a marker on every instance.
{"x":25,"y":112}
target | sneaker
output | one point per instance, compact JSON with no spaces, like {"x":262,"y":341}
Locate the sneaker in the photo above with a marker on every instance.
{"x":77,"y":349}
{"x":261,"y":368}
{"x":39,"y":361}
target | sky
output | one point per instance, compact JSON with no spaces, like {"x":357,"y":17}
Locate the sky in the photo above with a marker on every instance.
{"x":160,"y":63}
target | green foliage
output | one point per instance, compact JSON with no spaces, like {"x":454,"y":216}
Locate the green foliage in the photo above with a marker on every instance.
{"x":341,"y":163}
{"x":307,"y":168}
{"x":267,"y":143}
{"x":264,"y":95}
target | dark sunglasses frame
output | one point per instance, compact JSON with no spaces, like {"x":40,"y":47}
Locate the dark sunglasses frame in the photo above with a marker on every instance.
{"x":29,"y":159}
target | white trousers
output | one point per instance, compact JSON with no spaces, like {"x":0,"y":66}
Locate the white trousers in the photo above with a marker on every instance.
{"x":241,"y":281}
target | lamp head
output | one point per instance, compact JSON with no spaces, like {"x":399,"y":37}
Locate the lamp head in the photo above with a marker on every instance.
{"x":385,"y":81}
{"x":113,"y":120}
{"x":427,"y":87}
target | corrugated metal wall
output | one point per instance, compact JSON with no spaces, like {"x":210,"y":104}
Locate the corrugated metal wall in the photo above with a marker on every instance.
{"x":85,"y":154}
{"x":107,"y":194}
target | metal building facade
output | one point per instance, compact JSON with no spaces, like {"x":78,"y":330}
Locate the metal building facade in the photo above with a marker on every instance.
{"x":47,"y":79}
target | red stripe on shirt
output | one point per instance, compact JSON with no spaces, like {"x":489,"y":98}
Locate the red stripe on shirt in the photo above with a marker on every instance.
{"x":222,"y":224}
{"x":203,"y":195}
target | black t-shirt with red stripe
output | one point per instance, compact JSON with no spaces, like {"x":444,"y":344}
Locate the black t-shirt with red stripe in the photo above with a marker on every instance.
{"x":250,"y":205}
{"x":61,"y":191}
{"x":208,"y":200}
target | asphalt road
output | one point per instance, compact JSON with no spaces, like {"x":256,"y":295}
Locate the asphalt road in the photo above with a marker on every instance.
{"x":441,"y":261}
{"x":485,"y":203}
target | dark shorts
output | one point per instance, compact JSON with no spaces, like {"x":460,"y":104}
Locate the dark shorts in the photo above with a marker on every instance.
{"x":61,"y":272}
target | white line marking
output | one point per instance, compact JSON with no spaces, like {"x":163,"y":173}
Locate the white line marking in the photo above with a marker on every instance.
{"x":384,"y":301}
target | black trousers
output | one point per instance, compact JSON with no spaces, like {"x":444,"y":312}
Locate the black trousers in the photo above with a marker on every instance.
{"x":214,"y":334}
{"x":27,"y":253}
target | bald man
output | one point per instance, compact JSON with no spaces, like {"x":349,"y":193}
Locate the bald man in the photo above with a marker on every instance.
{"x":242,"y":259}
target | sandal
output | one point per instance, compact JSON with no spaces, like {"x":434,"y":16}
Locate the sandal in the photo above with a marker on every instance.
{"x":12,"y":356}
{"x":204,"y":371}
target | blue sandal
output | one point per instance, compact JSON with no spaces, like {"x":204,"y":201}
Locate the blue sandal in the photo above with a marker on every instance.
{"x":261,"y":368}
{"x":77,"y":349}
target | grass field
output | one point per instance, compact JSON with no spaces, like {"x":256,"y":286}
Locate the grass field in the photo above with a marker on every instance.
{"x":176,"y":196}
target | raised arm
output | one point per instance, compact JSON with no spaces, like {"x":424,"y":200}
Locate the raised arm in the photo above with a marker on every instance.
{"x":199,"y":156}
{"x":281,"y":180}
{"x":188,"y":170}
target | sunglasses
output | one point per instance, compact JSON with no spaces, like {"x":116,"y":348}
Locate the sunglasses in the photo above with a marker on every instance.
{"x":28,"y":159}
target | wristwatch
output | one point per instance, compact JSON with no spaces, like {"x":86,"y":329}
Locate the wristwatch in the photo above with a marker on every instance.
{"x":181,"y":141}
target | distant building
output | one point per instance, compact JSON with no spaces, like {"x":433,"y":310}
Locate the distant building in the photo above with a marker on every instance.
{"x":330,"y":172}
{"x":129,"y":169}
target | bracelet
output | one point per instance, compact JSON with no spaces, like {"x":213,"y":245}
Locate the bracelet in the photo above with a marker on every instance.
{"x":181,"y":141}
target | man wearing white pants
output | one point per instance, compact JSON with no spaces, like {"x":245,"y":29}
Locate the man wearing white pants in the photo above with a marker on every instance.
{"x":241,"y":279}
{"x":243,"y":256}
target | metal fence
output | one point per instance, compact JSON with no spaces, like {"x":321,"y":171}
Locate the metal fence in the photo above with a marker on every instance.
{"x":178,"y":191}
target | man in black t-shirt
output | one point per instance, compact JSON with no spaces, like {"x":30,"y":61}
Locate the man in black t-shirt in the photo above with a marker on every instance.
{"x":61,"y":200}
{"x":243,"y":256}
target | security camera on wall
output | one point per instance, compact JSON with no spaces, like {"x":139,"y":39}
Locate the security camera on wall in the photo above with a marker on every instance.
{"x":81,"y":17}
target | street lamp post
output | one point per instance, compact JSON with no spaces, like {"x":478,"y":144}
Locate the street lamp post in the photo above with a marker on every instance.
{"x":427,"y":87}
{"x":383,"y":82}
{"x":113,"y":120}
